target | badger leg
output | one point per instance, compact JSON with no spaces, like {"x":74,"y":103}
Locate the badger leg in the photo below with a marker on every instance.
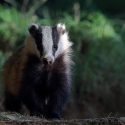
{"x":56,"y":104}
{"x":12,"y":103}
{"x":32,"y":101}
{"x":59,"y":93}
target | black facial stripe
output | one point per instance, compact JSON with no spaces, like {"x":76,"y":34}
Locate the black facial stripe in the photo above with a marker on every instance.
{"x":38,"y":40}
{"x":55,"y":37}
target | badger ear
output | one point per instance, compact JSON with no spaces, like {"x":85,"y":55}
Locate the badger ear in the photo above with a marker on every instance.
{"x":61,"y":28}
{"x":33,"y":28}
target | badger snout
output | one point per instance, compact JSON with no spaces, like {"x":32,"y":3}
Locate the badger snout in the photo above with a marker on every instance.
{"x":48,"y":60}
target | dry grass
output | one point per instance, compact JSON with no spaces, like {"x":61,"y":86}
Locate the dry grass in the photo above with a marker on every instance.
{"x":18,"y":119}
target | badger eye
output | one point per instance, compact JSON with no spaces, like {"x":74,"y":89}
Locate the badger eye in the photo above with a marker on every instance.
{"x":55,"y":47}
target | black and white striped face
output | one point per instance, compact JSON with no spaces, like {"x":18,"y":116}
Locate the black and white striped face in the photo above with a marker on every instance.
{"x":51,"y":41}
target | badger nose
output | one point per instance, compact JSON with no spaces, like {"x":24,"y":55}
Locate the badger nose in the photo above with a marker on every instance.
{"x":47,"y":61}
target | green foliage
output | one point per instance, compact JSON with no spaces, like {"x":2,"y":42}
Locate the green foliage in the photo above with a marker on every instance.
{"x":13,"y":25}
{"x":99,"y":56}
{"x":96,"y":26}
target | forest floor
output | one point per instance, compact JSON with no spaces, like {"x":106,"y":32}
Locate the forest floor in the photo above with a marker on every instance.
{"x":7,"y":118}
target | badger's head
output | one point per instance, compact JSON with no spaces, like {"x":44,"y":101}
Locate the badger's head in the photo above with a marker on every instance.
{"x":50,"y":41}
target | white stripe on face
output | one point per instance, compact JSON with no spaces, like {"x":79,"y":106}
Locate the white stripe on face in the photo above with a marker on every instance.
{"x":47,"y":41}
{"x":63,"y":44}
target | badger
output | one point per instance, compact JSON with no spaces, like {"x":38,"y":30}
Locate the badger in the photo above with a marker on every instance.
{"x":38,"y":74}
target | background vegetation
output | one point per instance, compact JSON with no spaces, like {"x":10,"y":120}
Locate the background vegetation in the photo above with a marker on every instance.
{"x":97,"y":29}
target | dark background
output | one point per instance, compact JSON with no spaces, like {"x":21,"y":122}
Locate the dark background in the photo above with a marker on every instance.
{"x":97,"y":28}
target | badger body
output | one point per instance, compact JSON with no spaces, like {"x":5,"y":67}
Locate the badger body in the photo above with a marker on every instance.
{"x":38,"y":75}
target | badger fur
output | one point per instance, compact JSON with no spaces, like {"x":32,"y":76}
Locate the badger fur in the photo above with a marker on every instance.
{"x":38,"y":75}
